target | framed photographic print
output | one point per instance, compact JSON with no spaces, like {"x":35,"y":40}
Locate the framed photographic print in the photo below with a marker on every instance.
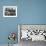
{"x":9,"y":11}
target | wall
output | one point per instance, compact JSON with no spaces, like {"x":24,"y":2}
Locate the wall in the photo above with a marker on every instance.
{"x":29,"y":12}
{"x":7,"y":25}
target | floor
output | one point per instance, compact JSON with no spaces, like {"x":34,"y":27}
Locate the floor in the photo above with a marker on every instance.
{"x":7,"y":45}
{"x":30,"y":43}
